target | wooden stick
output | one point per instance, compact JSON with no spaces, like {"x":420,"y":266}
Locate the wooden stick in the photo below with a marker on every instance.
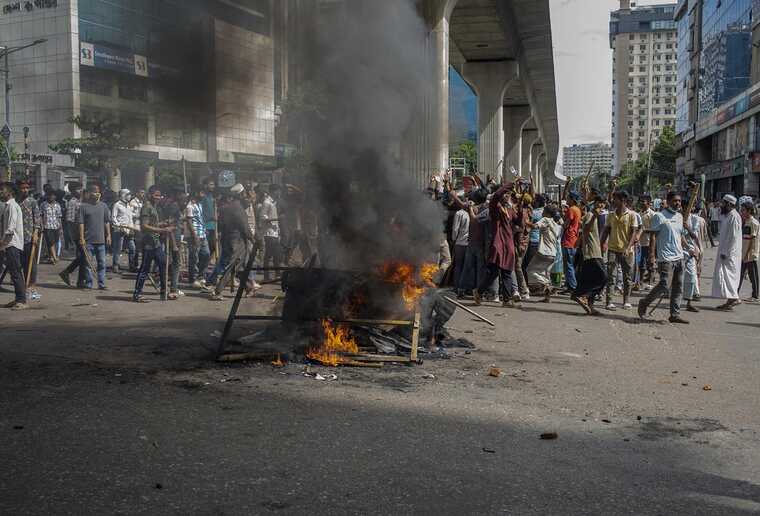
{"x":32,"y":258}
{"x":242,"y":357}
{"x":460,"y":305}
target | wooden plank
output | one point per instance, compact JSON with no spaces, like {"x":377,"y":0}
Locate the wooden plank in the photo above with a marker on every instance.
{"x":377,"y":358}
{"x":355,"y":363}
{"x":415,"y":334}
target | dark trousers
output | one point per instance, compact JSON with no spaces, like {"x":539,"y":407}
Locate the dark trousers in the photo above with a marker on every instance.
{"x":272,"y":254}
{"x":661,"y":289}
{"x":460,"y":253}
{"x":233,"y":259}
{"x":751,"y":269}
{"x":592,"y":278}
{"x":12,"y":258}
{"x":474,"y":267}
{"x":25,"y":257}
{"x":150,"y":257}
{"x":81,"y":263}
{"x":505,"y":281}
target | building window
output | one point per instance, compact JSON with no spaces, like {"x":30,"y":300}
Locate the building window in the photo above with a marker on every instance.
{"x":133,"y":88}
{"x":96,"y":82}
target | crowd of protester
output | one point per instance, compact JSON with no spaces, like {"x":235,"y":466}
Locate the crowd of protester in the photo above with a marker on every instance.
{"x":167,"y":238}
{"x":509,"y":243}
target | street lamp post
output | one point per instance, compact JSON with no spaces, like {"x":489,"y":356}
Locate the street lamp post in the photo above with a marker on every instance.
{"x":5,"y":52}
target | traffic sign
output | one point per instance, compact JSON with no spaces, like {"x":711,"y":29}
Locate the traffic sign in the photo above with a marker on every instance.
{"x":5,"y":132}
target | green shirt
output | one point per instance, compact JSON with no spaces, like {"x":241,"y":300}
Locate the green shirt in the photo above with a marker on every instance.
{"x":149,"y":215}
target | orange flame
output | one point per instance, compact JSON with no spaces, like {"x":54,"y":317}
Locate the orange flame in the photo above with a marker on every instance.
{"x":337,"y":340}
{"x":413,"y":280}
{"x":278,"y":361}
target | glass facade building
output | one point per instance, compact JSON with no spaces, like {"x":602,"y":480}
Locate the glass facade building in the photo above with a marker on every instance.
{"x":726,"y":57}
{"x":685,"y":46}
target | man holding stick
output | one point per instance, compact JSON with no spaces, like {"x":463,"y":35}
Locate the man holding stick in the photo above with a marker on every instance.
{"x":32,"y":220}
{"x":95,"y":235}
{"x":12,"y":244}
{"x":153,"y":252}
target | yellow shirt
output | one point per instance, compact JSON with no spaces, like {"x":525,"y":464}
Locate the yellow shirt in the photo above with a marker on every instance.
{"x":621,"y":228}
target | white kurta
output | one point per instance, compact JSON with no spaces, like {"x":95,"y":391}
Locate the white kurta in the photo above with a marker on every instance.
{"x":727,"y":272}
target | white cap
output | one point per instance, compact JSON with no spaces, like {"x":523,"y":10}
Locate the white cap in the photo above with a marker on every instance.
{"x":237,"y":189}
{"x":729,"y":199}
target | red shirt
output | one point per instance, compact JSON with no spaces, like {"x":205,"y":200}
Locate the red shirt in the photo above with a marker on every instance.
{"x":573,"y":223}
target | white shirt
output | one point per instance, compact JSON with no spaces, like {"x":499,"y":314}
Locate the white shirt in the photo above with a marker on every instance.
{"x":12,"y":223}
{"x":122,"y":215}
{"x":136,"y":205}
{"x":269,"y":218}
{"x":549,"y":234}
{"x":460,"y":233}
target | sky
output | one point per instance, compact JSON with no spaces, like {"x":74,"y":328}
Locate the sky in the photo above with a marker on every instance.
{"x":583,"y":68}
{"x":583,"y":74}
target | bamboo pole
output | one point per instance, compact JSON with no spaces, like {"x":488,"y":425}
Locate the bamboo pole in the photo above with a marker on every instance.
{"x":460,"y":305}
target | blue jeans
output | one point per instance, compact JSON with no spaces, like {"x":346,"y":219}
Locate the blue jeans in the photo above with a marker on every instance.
{"x":118,"y":244}
{"x":98,"y":252}
{"x":197,"y":261}
{"x":568,"y":255}
{"x":150,"y":256}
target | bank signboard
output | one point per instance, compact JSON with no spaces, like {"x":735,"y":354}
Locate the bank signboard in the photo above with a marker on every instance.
{"x":117,"y":60}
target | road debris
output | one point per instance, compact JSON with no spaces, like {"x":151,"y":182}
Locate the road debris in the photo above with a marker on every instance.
{"x":707,"y":388}
{"x":549,"y":436}
{"x":428,"y":376}
{"x":488,"y":450}
{"x":494,"y":371}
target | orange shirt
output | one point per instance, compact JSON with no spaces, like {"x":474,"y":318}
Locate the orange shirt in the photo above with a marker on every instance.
{"x":572,"y":227}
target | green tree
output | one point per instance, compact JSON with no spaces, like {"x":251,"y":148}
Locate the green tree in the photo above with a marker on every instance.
{"x":469,"y":151}
{"x":664,"y":154}
{"x":659,"y":170}
{"x":100,"y":147}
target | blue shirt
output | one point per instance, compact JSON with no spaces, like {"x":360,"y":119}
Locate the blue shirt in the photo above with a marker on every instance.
{"x":535,"y":234}
{"x":208,"y":204}
{"x":669,"y":229}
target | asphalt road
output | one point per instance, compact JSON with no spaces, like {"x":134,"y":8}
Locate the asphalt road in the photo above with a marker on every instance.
{"x":113,"y":408}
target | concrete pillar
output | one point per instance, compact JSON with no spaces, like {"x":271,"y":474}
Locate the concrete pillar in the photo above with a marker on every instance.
{"x":536,"y":149}
{"x":490,"y":80}
{"x":425,"y":149}
{"x":114,"y":179}
{"x":150,"y":177}
{"x":440,"y":119}
{"x":527,"y":139}
{"x":515,"y":118}
{"x":541,"y":172}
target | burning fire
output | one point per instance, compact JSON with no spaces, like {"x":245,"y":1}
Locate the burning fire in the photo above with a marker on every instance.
{"x":337,"y":340}
{"x":413,"y":280}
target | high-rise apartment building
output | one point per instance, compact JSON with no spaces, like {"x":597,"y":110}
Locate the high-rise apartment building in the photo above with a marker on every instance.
{"x":644,"y":41}
{"x":577,"y":159}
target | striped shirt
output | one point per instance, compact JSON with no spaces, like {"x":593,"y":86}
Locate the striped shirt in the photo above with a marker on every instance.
{"x":72,"y":210}
{"x":194,"y":213}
